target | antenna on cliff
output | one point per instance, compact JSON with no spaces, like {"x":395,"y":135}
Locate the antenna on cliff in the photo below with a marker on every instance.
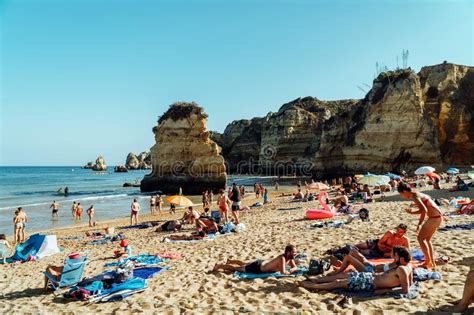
{"x":397,"y":63}
{"x":405,"y":58}
{"x":362,"y":89}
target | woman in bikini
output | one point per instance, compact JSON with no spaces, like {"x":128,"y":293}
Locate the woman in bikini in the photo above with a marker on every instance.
{"x":222,"y":202}
{"x":426,"y":206}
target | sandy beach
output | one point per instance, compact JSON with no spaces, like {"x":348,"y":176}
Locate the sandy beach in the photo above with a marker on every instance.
{"x":189,"y":286}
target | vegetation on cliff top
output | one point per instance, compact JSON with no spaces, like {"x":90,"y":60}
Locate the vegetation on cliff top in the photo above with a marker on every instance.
{"x":181,"y":110}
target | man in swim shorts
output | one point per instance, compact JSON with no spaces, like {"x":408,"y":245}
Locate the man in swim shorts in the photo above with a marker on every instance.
{"x":401,"y":276}
{"x":277,"y":264}
{"x":361,"y":264}
{"x":55,"y":209}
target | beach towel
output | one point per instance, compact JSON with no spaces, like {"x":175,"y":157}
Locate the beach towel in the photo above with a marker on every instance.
{"x":148,"y":272}
{"x":457,"y":227}
{"x":170,"y":255}
{"x":143,"y":225}
{"x":210,"y":237}
{"x":141,"y":260}
{"x":245,"y":275}
{"x":332,"y":224}
{"x":412,"y":293}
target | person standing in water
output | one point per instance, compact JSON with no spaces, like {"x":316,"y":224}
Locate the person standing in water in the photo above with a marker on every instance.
{"x":159,"y":203}
{"x":90,"y":213}
{"x":426,"y":207}
{"x":152,"y":204}
{"x":73,"y":209}
{"x":55,"y":209}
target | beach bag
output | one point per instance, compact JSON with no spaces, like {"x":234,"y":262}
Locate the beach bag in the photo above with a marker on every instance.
{"x":364,"y":214}
{"x":318,"y":266}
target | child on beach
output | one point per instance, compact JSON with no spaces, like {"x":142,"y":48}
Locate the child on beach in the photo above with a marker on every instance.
{"x":127,"y":250}
{"x":3,"y":248}
{"x":426,"y":207}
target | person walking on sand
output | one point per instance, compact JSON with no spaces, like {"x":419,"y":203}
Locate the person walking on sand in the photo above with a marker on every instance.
{"x":55,"y":209}
{"x":152,"y":204}
{"x":426,"y":207}
{"x":74,"y":209}
{"x":223,"y":203}
{"x":159,"y":203}
{"x":135,"y":208}
{"x":23,"y":218}
{"x":90,"y":213}
{"x":235,"y":198}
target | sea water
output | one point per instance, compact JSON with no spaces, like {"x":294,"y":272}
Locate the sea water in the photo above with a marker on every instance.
{"x":35,"y":189}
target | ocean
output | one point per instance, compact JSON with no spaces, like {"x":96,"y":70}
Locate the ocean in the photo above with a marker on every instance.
{"x":35,"y":189}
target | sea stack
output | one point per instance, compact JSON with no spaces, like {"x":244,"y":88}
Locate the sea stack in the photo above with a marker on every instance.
{"x":184,"y":155}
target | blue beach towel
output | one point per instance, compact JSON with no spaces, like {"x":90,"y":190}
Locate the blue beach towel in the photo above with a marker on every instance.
{"x":245,"y":275}
{"x":141,"y":259}
{"x":148,"y":272}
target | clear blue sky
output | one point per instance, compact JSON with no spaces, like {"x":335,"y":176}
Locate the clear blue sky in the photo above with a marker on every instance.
{"x":82,"y":78}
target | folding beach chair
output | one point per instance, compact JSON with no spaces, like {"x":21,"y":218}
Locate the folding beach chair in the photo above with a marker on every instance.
{"x":71,"y":274}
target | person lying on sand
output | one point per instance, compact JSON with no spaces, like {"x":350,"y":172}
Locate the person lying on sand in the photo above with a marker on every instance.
{"x":368,"y":281}
{"x":298,"y":195}
{"x":192,"y":237}
{"x":171,"y":225}
{"x":468,"y":293}
{"x":383,"y":247}
{"x":361,"y":264}
{"x":190,"y":216}
{"x":277,"y":264}
{"x":207,"y":225}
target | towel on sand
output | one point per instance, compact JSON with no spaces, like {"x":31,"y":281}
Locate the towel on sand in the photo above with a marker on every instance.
{"x":210,"y":237}
{"x":148,"y":272}
{"x":141,"y":259}
{"x":245,"y":275}
{"x":467,"y":226}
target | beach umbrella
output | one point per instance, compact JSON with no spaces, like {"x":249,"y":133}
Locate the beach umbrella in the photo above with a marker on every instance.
{"x":318,"y":186}
{"x":393,"y":176}
{"x":180,"y":200}
{"x":452,"y":170}
{"x":374,"y":180}
{"x":433,"y":175}
{"x":424,"y":169}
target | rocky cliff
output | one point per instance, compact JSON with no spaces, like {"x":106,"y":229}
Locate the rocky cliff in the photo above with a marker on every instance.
{"x":184,"y":155}
{"x":99,"y":164}
{"x":404,"y":121}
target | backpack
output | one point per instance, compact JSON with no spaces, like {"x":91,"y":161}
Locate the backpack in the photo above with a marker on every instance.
{"x":318,"y":266}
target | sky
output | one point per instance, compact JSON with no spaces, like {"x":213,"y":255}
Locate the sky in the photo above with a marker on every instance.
{"x":80,"y":79}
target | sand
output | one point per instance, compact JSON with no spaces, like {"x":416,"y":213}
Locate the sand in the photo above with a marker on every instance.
{"x":190,"y":287}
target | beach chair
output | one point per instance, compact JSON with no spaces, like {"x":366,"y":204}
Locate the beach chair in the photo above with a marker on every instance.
{"x":71,"y":274}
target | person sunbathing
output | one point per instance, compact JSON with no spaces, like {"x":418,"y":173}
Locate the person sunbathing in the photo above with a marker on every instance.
{"x":207,"y":225}
{"x":383,"y":247}
{"x":368,"y":281}
{"x":277,"y":264}
{"x":298,"y":195}
{"x":171,"y":225}
{"x":192,"y":237}
{"x":361,"y":264}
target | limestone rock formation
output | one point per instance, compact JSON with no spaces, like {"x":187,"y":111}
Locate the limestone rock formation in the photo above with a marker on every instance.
{"x":404,"y":121}
{"x":89,"y":165}
{"x":132,"y":162}
{"x":140,"y":162}
{"x":120,"y":169}
{"x":99,"y":164}
{"x":184,"y":155}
